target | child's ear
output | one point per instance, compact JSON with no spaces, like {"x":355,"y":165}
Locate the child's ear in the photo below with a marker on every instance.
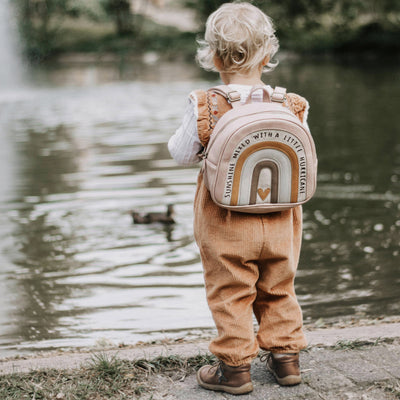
{"x":218,"y":63}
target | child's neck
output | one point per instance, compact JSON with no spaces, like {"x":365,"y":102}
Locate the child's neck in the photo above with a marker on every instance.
{"x":251,"y":78}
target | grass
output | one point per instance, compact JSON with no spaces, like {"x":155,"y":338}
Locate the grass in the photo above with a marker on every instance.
{"x":359,"y":344}
{"x":104,"y":377}
{"x":392,"y":386}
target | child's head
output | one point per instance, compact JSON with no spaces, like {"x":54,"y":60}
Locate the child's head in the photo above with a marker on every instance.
{"x":241,"y":36}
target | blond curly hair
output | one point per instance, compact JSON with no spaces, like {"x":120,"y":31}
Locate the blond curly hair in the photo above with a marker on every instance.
{"x":241,"y":36}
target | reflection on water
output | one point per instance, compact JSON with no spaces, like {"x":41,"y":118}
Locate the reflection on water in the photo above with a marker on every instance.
{"x":77,"y":154}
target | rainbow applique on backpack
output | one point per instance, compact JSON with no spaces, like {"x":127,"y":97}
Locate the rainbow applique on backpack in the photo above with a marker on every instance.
{"x":260,"y":158}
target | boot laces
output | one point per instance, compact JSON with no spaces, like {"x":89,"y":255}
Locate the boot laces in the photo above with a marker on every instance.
{"x":218,"y":366}
{"x":265,"y":357}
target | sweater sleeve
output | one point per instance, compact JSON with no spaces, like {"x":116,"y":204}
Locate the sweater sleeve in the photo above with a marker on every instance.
{"x":184,"y":146}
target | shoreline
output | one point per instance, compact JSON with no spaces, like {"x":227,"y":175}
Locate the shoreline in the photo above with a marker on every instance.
{"x":354,"y":362}
{"x":153,"y":56}
{"x":318,"y":335}
{"x":354,"y":368}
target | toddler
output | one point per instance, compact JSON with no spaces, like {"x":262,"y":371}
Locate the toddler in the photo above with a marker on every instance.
{"x":249,"y":260}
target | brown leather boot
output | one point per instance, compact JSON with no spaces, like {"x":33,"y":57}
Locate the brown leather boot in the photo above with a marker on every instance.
{"x":224,"y":378}
{"x":285,"y":369}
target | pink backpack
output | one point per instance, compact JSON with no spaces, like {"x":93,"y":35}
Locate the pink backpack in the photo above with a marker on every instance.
{"x":260,"y":157}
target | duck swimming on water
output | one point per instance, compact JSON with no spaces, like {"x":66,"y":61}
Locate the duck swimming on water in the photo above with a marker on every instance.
{"x":153,"y":217}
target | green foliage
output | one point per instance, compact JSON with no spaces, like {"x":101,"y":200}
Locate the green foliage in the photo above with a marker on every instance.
{"x":40,"y":23}
{"x":120,"y":10}
{"x":49,"y":27}
{"x":204,"y":8}
{"x":327,"y":25}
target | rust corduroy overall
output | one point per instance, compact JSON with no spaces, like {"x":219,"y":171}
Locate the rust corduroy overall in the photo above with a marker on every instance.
{"x":249,"y":262}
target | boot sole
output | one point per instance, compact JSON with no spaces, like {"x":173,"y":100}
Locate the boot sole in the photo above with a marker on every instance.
{"x":246,"y":388}
{"x":289,"y":380}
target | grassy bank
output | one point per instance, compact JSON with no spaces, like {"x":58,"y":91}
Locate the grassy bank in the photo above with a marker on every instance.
{"x":104,"y":377}
{"x":109,"y":377}
{"x":86,"y":36}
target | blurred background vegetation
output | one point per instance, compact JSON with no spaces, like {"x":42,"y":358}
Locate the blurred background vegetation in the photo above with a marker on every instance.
{"x":53,"y":27}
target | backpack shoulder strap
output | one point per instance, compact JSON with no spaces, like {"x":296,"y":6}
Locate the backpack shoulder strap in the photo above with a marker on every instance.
{"x":232,"y":96}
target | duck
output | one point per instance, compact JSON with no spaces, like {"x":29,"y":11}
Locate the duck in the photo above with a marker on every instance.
{"x":153,"y":217}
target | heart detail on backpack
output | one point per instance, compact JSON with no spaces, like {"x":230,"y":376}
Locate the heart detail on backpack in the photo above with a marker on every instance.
{"x":263,"y":193}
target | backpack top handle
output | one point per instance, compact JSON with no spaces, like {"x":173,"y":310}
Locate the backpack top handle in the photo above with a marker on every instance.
{"x":277,"y":96}
{"x":233,"y":96}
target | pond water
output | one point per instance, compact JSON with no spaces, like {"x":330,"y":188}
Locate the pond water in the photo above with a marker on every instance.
{"x":83,"y":145}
